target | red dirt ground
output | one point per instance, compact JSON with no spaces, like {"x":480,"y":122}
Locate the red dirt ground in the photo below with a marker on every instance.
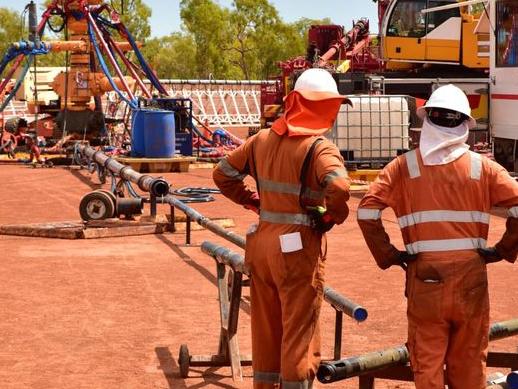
{"x":112,"y":313}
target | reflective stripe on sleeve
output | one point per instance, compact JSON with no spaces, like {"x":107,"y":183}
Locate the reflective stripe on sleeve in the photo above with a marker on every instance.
{"x":285,"y":218}
{"x":413,"y":165}
{"x":443,"y":216}
{"x":338,"y":173}
{"x":369,"y":214}
{"x":513,"y":212}
{"x":476,"y":166}
{"x":445,"y":245}
{"x":267,"y":377}
{"x":230,"y":171}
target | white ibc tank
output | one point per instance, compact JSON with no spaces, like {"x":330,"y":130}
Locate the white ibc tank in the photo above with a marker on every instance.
{"x":374,"y":128}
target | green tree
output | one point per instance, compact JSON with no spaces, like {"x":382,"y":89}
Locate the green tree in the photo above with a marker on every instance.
{"x":135,"y":15}
{"x":10,"y":29}
{"x":172,"y":56}
{"x":208,"y":23}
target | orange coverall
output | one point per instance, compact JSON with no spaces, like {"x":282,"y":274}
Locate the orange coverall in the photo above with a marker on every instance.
{"x":443,"y":212}
{"x":286,"y":288}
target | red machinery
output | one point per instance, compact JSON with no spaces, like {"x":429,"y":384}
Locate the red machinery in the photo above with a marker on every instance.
{"x":342,"y":52}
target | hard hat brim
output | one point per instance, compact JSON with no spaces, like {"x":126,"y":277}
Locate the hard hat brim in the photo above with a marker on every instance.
{"x":421,"y":113}
{"x":319,"y":96}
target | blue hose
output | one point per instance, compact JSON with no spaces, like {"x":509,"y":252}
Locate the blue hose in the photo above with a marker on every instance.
{"x":106,"y":71}
{"x":18,"y":84}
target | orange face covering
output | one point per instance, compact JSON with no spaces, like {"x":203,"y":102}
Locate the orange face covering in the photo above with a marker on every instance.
{"x":303,"y":117}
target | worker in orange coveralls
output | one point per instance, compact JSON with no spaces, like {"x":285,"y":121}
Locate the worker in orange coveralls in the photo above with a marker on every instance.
{"x":442,"y":194}
{"x":29,"y":140}
{"x":302,"y":189}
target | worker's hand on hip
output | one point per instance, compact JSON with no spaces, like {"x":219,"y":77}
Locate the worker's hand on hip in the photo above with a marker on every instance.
{"x":254,"y":203}
{"x":321,"y":220}
{"x":490,"y":254}
{"x":405,"y":258}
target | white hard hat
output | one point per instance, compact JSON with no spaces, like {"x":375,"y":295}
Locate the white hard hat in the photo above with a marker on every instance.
{"x":449,"y":97}
{"x":318,"y":84}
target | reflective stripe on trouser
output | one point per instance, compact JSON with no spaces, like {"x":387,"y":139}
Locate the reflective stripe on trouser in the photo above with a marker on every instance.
{"x":267,"y":377}
{"x":286,"y":293}
{"x":448,"y":322}
{"x":306,"y":384}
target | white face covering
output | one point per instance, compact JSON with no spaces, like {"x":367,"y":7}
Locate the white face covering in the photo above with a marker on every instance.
{"x":442,"y":145}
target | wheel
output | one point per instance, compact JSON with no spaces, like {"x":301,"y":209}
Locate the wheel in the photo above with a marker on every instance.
{"x":184,"y":360}
{"x":96,"y":206}
{"x":109,"y":193}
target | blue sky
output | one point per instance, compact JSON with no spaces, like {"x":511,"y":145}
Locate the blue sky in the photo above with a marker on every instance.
{"x":166,"y":13}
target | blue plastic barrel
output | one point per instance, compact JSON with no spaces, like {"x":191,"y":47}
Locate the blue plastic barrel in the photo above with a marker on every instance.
{"x":159,"y":133}
{"x":137,"y":133}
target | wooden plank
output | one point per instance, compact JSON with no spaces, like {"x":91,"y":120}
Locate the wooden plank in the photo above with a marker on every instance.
{"x":155,"y":160}
{"x":218,"y":360}
{"x":111,"y":232}
{"x":159,"y":165}
{"x":65,"y":230}
{"x":225,"y":223}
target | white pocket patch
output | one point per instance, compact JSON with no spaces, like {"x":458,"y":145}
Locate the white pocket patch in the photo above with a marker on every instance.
{"x":290,"y":242}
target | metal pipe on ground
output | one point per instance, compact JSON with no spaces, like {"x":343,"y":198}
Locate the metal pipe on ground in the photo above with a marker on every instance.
{"x":156,"y":186}
{"x":203,"y":221}
{"x":237,"y":263}
{"x":332,"y":371}
{"x":148,"y":183}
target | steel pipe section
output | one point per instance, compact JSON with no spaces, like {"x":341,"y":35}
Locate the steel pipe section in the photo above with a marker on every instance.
{"x":332,"y":371}
{"x":340,"y":303}
{"x":203,"y":221}
{"x":158,"y":187}
{"x":226,"y":256}
{"x":237,"y":263}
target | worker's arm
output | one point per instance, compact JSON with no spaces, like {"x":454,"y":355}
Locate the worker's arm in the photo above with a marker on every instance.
{"x":332,"y":175}
{"x":380,"y":196}
{"x":230,"y":173}
{"x":504,"y":193}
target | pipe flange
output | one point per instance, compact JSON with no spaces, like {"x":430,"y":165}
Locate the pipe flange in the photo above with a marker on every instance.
{"x":159,"y":187}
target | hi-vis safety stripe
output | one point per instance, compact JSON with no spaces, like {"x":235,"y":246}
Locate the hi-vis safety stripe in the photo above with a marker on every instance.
{"x":445,"y":245}
{"x":476,"y":166}
{"x":338,"y":173}
{"x":443,"y":216}
{"x":414,"y":171}
{"x":413,"y":165}
{"x":297,"y":384}
{"x":369,"y":214}
{"x":230,"y":171}
{"x":267,"y":377}
{"x":285,"y":218}
{"x":513,"y":212}
{"x":288,"y":188}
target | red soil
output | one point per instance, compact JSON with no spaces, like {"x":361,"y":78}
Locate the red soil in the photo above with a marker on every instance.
{"x":112,"y":313}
